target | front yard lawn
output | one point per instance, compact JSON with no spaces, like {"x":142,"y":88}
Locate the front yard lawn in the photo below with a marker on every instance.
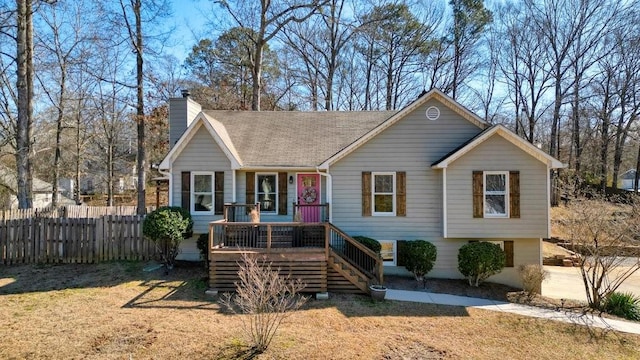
{"x":118,"y":311}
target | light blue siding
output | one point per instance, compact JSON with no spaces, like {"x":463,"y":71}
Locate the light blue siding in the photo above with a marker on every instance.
{"x":201,"y":154}
{"x":498,"y":154}
{"x":411,"y":145}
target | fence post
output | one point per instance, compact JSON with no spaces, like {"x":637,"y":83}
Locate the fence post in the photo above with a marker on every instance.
{"x":99,"y":236}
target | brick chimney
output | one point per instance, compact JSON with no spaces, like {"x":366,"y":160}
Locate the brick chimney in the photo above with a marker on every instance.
{"x":182,"y":111}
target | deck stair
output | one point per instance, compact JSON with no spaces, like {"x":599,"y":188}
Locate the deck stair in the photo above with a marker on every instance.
{"x":357,"y":280}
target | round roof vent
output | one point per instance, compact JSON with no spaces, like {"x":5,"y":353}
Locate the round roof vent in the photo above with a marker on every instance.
{"x":433,"y":113}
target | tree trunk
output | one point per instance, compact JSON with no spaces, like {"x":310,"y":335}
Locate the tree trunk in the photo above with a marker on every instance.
{"x":637,"y":178}
{"x":575,"y":134}
{"x":59,"y":126}
{"x":140,"y":164}
{"x":24,"y":85}
{"x":110,"y":149}
{"x":256,"y":75}
{"x":76,"y":185}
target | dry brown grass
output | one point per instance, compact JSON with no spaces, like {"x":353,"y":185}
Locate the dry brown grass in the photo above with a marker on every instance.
{"x":117,"y":311}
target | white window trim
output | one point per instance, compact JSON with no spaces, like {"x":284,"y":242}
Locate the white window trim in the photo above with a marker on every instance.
{"x":275,"y":192}
{"x":373,"y":194}
{"x":395,"y":252}
{"x":506,"y":194}
{"x":194,"y":194}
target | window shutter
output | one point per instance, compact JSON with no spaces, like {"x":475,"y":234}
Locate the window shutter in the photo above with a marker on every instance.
{"x":514,"y":194}
{"x":508,"y":251}
{"x":478,"y":194}
{"x":366,"y":193}
{"x":250,"y":194}
{"x":186,"y":190}
{"x":219,"y":193}
{"x":401,"y":252}
{"x":282,"y":193}
{"x":401,"y":193}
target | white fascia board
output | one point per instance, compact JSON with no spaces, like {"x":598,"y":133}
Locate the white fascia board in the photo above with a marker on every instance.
{"x":509,"y":136}
{"x":200,"y":120}
{"x":432,"y":94}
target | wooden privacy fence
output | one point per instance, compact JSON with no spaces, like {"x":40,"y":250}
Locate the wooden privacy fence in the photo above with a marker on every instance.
{"x":73,"y":240}
{"x":71,"y":211}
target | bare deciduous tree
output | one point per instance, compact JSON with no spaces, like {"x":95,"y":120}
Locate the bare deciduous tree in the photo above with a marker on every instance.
{"x":600,"y":231}
{"x":266,"y":20}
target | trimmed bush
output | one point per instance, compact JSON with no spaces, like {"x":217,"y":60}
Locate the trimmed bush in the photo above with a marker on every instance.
{"x":165,"y":228}
{"x":370,"y":243}
{"x":419,"y":258}
{"x":185,"y":215}
{"x":479,"y":260}
{"x":625,"y":305}
{"x":532,"y":276}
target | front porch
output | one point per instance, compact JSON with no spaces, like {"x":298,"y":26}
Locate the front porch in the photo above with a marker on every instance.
{"x":319,"y":253}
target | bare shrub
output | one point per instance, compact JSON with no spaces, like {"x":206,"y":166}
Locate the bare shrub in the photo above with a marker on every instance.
{"x":601,"y":230}
{"x":265,"y":297}
{"x":532,"y":276}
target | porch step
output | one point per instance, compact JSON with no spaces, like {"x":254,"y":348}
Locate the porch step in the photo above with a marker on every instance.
{"x":349,"y":272}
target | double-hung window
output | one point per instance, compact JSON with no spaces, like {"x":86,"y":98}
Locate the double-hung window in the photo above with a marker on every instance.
{"x":383,"y":194}
{"x":496,"y":194}
{"x":202,"y":192}
{"x":267,"y":192}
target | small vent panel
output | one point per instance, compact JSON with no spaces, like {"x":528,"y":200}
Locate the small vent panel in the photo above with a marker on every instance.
{"x":433,"y":113}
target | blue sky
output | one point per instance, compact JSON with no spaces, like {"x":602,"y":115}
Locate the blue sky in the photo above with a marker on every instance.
{"x":190,"y":18}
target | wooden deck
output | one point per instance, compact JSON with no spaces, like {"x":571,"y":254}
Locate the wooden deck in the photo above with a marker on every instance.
{"x":320,"y":254}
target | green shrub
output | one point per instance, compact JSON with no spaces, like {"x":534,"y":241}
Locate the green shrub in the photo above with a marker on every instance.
{"x":185,"y":215}
{"x":625,"y":305}
{"x":370,"y":243}
{"x":479,"y":260}
{"x":203,"y":246}
{"x":165,"y":227}
{"x":419,"y":258}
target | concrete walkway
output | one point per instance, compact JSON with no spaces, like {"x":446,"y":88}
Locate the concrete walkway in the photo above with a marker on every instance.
{"x":564,"y":316}
{"x":566,"y":283}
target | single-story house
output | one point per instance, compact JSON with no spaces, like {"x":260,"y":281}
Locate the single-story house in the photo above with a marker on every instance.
{"x":432,"y":170}
{"x":42,"y":191}
{"x":628,"y":179}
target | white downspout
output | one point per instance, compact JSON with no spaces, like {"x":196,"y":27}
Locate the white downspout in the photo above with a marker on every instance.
{"x":168,"y":175}
{"x":329,"y":191}
{"x":444,"y":202}
{"x":234,"y":185}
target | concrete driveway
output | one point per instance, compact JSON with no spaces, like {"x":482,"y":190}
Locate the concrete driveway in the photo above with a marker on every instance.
{"x":566,"y":283}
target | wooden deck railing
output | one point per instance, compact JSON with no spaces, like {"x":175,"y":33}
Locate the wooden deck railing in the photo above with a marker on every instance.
{"x":248,"y":235}
{"x":241,"y":212}
{"x":281,"y":236}
{"x":311,"y":213}
{"x":358,"y":255}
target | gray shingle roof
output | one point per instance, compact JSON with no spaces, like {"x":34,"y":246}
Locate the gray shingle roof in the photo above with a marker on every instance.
{"x":629,"y":174}
{"x":8,"y":178}
{"x":294,"y":139}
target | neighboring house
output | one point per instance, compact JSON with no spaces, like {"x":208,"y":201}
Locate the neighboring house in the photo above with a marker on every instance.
{"x":42,"y":191}
{"x":628,"y":179}
{"x":95,"y":180}
{"x":432,"y":170}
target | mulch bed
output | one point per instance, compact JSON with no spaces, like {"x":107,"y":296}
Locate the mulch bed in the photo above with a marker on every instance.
{"x":461,"y":287}
{"x":486,"y":290}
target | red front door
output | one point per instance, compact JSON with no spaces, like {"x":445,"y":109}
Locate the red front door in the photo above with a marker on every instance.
{"x":309,"y":195}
